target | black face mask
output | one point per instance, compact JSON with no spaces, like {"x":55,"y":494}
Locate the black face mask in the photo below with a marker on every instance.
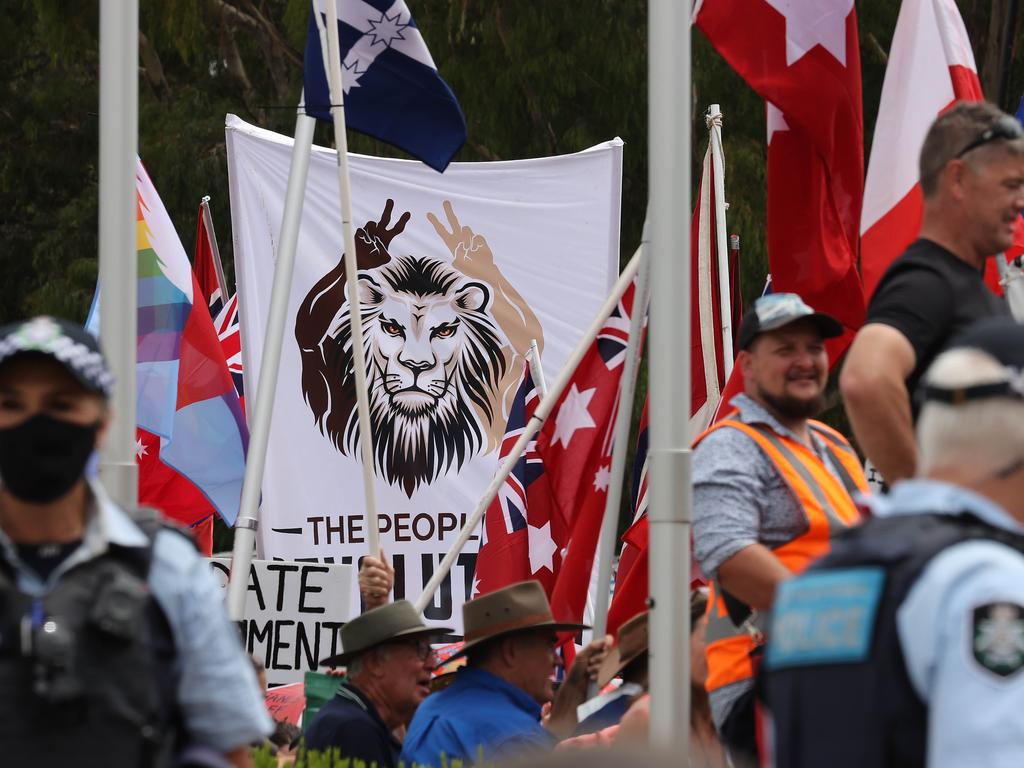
{"x":42,"y":458}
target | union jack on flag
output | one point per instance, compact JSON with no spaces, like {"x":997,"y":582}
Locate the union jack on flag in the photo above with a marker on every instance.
{"x":226,"y":325}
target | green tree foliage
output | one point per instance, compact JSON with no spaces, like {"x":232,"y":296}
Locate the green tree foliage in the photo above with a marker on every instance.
{"x":533,"y":79}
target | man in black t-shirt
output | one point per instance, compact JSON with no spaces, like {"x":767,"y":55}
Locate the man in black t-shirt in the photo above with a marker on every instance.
{"x":972,"y":180}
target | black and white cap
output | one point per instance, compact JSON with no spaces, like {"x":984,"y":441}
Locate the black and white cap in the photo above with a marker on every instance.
{"x":69,"y":344}
{"x":1003,"y":339}
{"x":775,"y":310}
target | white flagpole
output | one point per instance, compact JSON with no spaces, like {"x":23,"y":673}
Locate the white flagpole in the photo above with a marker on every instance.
{"x":211,"y":235}
{"x":332,"y":65}
{"x":620,"y":449}
{"x":670,"y":477}
{"x":529,"y":431}
{"x":263,"y":407}
{"x":119,"y":133}
{"x":714,"y":122}
{"x":536,"y":369}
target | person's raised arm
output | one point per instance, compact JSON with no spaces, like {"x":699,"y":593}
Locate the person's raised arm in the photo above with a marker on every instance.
{"x":873,"y":385}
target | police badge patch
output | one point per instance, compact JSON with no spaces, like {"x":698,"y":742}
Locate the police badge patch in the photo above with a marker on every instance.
{"x":998,"y":638}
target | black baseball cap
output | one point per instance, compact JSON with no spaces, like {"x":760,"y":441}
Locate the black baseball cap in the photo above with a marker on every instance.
{"x":775,"y":310}
{"x":1003,"y":339}
{"x":69,"y":344}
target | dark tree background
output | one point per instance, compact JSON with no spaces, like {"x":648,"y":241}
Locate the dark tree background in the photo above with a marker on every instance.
{"x":533,"y":79}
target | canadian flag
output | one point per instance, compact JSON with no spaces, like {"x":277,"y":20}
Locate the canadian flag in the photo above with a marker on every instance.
{"x":931,"y":66}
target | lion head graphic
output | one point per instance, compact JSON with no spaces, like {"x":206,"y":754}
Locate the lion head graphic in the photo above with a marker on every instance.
{"x":442,"y":343}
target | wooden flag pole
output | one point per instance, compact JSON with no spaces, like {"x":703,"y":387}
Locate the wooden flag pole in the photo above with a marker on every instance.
{"x":332,"y":65}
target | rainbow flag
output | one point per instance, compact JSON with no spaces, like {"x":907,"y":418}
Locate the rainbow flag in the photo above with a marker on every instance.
{"x":185,"y":394}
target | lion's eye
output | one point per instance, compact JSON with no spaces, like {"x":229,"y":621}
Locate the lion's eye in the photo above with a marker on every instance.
{"x":391,"y":328}
{"x":444,"y":332}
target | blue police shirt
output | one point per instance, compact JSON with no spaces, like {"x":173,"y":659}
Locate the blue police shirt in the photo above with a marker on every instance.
{"x":219,"y":699}
{"x":479,"y":711}
{"x":974,"y":712}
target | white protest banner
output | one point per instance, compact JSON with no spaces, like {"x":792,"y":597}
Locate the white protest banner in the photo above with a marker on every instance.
{"x":293,"y":613}
{"x":458,"y":272}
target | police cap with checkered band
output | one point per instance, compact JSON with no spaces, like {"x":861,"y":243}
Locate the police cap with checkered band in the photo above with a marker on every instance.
{"x":69,"y":344}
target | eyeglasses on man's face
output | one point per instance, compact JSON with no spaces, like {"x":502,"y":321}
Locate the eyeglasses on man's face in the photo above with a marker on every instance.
{"x":1005,"y":128}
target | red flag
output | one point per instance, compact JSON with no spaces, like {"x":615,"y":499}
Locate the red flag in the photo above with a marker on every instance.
{"x":546,"y":520}
{"x":223,"y":310}
{"x":170,"y":492}
{"x":576,"y":447}
{"x":804,"y":59}
{"x":707,"y":366}
{"x":931,"y":66}
{"x":511,"y":522}
{"x":205,"y":262}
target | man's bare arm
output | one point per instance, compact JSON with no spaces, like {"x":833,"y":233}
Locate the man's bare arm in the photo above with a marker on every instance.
{"x":875,"y":393}
{"x":752,"y":574}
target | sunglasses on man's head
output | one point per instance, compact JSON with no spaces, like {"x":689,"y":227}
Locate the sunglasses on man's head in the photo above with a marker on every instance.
{"x":1005,"y":128}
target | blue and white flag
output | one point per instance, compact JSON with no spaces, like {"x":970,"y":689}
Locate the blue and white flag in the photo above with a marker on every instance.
{"x":392,"y":89}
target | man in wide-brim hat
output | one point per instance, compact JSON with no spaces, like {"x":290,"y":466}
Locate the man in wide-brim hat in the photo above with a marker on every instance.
{"x":627,"y":660}
{"x":388,"y":657}
{"x":493,"y":708}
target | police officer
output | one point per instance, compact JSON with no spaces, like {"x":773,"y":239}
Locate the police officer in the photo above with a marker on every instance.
{"x":905,"y":645}
{"x":114,"y":646}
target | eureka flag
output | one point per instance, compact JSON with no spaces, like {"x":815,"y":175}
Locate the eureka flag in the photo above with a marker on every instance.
{"x":393,"y":91}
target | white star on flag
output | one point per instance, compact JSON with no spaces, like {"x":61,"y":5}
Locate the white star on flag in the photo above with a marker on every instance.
{"x":813,"y":22}
{"x":542,"y":547}
{"x":140,"y":449}
{"x":573,"y":415}
{"x":776,"y":120}
{"x":386,"y":29}
{"x":602,"y":477}
{"x":476,"y":587}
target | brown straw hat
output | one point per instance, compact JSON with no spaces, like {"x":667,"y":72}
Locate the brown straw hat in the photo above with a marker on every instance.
{"x":514,"y":608}
{"x":630,"y":643}
{"x":395,"y":621}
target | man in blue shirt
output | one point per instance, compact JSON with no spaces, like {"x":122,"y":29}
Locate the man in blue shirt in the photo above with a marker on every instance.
{"x":493,"y":708}
{"x":114,"y":645}
{"x":905,"y":645}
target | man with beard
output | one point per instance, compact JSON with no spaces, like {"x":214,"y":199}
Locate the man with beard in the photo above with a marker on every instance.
{"x":770,"y":486}
{"x":972,"y":180}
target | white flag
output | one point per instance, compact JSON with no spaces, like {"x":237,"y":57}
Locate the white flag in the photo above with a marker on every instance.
{"x":458,"y":272}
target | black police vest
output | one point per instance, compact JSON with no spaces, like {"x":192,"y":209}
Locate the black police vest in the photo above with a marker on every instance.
{"x":866,"y":713}
{"x":86,"y":672}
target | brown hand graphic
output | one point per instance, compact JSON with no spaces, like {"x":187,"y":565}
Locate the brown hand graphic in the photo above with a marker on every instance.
{"x":373,"y":239}
{"x":472,"y":255}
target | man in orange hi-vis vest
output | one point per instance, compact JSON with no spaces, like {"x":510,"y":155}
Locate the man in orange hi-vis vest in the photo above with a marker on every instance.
{"x":770,"y":486}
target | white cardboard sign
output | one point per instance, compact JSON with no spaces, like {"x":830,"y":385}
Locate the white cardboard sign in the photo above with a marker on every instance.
{"x":293,"y":613}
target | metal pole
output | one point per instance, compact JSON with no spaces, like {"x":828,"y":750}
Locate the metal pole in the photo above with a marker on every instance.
{"x":536,"y":369}
{"x":529,"y":431}
{"x":218,"y":265}
{"x":332,"y":65}
{"x":721,"y":241}
{"x":670,"y":483}
{"x":118,"y":269}
{"x":620,"y":448}
{"x":263,"y":407}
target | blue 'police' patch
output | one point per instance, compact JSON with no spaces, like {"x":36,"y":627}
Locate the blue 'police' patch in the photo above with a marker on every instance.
{"x":824,"y":617}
